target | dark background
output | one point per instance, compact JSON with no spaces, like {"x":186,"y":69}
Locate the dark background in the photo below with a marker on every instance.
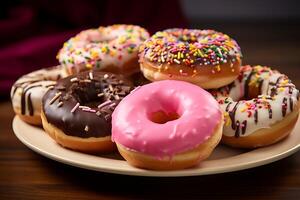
{"x":33,"y":31}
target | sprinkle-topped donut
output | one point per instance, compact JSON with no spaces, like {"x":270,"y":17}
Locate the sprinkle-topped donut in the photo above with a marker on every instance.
{"x":28,"y":91}
{"x":269,"y":98}
{"x":80,"y":107}
{"x":112,"y":48}
{"x":197,"y":56}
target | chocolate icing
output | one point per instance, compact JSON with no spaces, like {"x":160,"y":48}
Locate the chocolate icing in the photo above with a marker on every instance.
{"x":246,"y":89}
{"x":244,"y":127}
{"x":256,"y":116}
{"x":291,"y":104}
{"x":227,"y":107}
{"x":232,"y":116}
{"x":284,"y":106}
{"x":270,"y":111}
{"x":237,"y":129}
{"x":30,"y":107}
{"x":89,"y":90}
{"x":260,"y":84}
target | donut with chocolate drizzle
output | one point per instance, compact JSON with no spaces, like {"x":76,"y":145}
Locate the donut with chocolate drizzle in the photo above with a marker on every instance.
{"x":78,"y":109}
{"x":28,"y":91}
{"x":260,"y":107}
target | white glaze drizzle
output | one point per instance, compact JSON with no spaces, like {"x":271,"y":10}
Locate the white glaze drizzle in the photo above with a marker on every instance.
{"x":28,"y":91}
{"x":278,"y":98}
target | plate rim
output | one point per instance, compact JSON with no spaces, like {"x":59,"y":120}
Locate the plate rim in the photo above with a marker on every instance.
{"x":152,"y":173}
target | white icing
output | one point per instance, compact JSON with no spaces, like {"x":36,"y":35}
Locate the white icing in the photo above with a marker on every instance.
{"x":276,"y":103}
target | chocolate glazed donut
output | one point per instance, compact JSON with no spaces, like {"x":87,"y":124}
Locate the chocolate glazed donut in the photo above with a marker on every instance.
{"x":77,"y":111}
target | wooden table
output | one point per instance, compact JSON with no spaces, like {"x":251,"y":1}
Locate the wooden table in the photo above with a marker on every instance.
{"x":27,"y":175}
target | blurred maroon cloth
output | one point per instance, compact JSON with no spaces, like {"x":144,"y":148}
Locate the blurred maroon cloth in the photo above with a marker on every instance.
{"x":32,"y":34}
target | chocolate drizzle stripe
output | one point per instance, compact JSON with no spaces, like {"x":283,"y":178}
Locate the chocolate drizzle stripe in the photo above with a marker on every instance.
{"x":260,"y":86}
{"x":29,"y":103}
{"x":26,"y":102}
{"x":255,"y":112}
{"x":232,"y":116}
{"x":279,"y":79}
{"x":246,"y":86}
{"x":50,"y":85}
{"x":290,"y":89}
{"x":273,"y":91}
{"x":30,"y":87}
{"x":227,"y":107}
{"x":270,"y":111}
{"x":291,"y":104}
{"x":284,"y":106}
{"x":244,"y":127}
{"x":237,"y":130}
{"x":256,"y":116}
{"x":23,"y":103}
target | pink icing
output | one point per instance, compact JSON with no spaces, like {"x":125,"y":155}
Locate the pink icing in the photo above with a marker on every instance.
{"x":199,"y":115}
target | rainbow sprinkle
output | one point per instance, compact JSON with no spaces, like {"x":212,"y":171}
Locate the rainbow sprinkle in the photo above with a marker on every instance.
{"x":90,"y":48}
{"x":190,"y":48}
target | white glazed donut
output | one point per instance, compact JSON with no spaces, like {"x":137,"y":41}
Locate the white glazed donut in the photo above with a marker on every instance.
{"x":268,"y":112}
{"x":112,"y":48}
{"x":28,"y":91}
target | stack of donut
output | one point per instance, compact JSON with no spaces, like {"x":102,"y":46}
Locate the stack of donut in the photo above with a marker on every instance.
{"x":199,"y":95}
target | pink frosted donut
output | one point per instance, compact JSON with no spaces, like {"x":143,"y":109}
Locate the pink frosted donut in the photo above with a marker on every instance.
{"x":167,"y":125}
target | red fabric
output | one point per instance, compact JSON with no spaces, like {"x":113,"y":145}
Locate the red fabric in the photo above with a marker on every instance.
{"x":31,"y":35}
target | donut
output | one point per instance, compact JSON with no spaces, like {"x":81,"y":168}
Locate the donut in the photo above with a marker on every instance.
{"x":76,"y":112}
{"x":206,"y":58}
{"x":260,"y":107}
{"x":27,"y":93}
{"x":112,"y":49}
{"x":167,"y":125}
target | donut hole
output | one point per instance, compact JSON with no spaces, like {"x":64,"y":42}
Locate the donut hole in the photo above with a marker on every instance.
{"x":95,"y":37}
{"x":87,"y":94}
{"x":253,"y":92}
{"x":187,"y":38}
{"x":161,"y":117}
{"x":165,"y":107}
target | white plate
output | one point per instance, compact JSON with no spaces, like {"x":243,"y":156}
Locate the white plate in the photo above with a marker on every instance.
{"x":223,"y":159}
